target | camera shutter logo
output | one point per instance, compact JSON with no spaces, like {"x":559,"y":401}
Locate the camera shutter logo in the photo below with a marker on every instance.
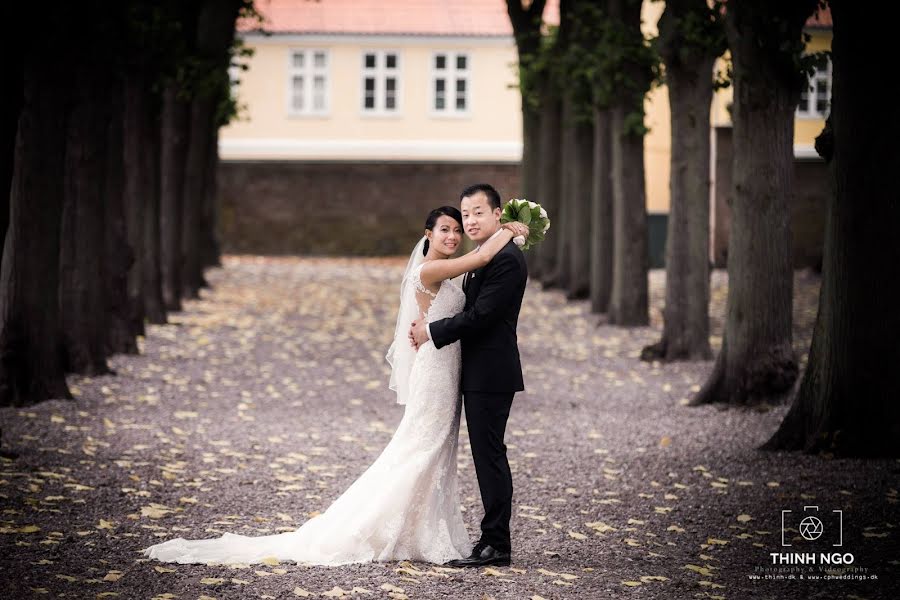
{"x":811,"y":528}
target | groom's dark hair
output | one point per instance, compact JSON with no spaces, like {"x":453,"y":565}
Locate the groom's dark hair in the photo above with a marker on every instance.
{"x":492,"y":195}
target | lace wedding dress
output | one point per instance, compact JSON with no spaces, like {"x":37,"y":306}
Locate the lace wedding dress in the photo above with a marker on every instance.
{"x":405,"y":506}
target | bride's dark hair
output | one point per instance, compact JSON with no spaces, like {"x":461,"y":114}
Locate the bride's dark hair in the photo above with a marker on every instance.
{"x":448,"y":211}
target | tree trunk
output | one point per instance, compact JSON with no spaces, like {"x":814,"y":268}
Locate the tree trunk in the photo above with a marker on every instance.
{"x":601,"y":232}
{"x":689,"y":78}
{"x":120,"y":337}
{"x":10,"y":108}
{"x":82,"y":303}
{"x":136,"y":186}
{"x":847,"y":399}
{"x":757,"y":360}
{"x":564,"y":208}
{"x":215,"y":34}
{"x":526,"y":23}
{"x":154,"y":306}
{"x":212,"y":253}
{"x":192,"y":218}
{"x":531,"y":132}
{"x":173,"y":156}
{"x":628,"y":304}
{"x":549,"y":183}
{"x":31,"y":362}
{"x":580,"y":216}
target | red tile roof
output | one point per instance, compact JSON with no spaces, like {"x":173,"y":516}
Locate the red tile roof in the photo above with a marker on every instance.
{"x":406,"y":17}
{"x":821,"y":19}
{"x":389,"y":17}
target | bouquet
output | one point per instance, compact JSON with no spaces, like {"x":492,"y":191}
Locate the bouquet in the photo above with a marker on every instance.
{"x":529,"y":213}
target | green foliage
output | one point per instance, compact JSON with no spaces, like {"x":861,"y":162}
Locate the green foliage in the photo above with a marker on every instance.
{"x":161,"y":39}
{"x":777,"y":32}
{"x":540,"y":71}
{"x":609,"y":62}
{"x":691,"y":32}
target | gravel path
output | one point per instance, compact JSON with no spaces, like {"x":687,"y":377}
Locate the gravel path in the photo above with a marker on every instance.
{"x":262,"y":401}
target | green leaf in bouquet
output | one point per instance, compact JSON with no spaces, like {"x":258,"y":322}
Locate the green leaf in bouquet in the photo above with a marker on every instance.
{"x":536,"y":213}
{"x":524,"y":215}
{"x":510,"y":213}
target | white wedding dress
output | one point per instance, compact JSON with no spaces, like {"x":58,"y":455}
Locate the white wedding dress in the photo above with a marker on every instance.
{"x":405,"y":506}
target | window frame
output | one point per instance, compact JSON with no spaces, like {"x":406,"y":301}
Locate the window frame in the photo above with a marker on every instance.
{"x":451,"y":75}
{"x":309,"y":72}
{"x":812,"y":96}
{"x":380,"y":73}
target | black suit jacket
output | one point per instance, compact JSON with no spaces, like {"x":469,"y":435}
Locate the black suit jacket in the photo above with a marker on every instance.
{"x":486,"y":327}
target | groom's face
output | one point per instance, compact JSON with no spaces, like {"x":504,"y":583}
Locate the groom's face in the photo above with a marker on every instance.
{"x":479,"y":219}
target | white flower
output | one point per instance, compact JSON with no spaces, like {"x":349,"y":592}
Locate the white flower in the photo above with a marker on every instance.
{"x":546,"y":227}
{"x":543,"y":213}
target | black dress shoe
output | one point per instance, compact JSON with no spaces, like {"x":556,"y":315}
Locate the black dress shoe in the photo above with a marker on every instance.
{"x":485,"y":556}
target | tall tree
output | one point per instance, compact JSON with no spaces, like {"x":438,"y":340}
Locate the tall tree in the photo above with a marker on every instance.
{"x":595,"y":66}
{"x":691,"y":37}
{"x":601,"y":214}
{"x":136,"y":185}
{"x":757,"y":360}
{"x":181,"y":74}
{"x":31,"y":363}
{"x":580,"y":150}
{"x":526,"y":19}
{"x":212,"y":246}
{"x":632,"y":73}
{"x":549,"y":181}
{"x":562,"y":263}
{"x":83,"y":314}
{"x":215,"y":36}
{"x":10,"y":107}
{"x":150,"y":255}
{"x":590,"y":63}
{"x":847,"y":399}
{"x":120,"y":256}
{"x":172,"y":163}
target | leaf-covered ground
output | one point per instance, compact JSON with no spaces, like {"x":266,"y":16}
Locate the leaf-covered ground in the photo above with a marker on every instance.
{"x":261,"y":402}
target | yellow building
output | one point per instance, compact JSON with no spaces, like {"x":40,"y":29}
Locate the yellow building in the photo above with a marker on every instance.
{"x":360,"y":116}
{"x":357,"y":110}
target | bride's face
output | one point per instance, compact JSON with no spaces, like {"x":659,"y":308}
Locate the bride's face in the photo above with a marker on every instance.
{"x":446,"y":235}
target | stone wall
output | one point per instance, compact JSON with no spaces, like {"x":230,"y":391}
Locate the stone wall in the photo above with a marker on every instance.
{"x":379,"y":208}
{"x":348,"y":208}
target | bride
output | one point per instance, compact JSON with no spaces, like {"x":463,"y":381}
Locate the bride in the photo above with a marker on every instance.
{"x":406,"y":505}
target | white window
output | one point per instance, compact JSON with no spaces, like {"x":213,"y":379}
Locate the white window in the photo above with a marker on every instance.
{"x":308,"y":82}
{"x":815,"y":101}
{"x":380,"y":82}
{"x":450,"y":83}
{"x":234,"y":79}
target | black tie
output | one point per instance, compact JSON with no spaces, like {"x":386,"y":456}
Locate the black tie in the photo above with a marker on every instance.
{"x":466,"y":281}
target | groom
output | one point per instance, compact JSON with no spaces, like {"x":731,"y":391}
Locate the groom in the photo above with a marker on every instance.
{"x":491,"y":371}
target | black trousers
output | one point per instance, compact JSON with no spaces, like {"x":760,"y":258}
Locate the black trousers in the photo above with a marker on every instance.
{"x":486,"y":415}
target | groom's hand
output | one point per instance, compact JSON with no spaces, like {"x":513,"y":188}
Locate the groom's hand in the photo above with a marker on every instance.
{"x":418,"y":335}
